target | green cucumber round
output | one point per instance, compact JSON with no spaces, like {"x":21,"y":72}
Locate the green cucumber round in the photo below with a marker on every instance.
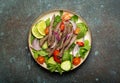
{"x":66,"y":65}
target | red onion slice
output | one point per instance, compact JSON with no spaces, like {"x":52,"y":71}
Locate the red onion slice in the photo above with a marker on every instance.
{"x":35,"y":44}
{"x":67,"y":36}
{"x":75,"y":50}
{"x":56,"y":35}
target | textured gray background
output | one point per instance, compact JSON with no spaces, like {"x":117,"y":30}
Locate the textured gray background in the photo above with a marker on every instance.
{"x":16,"y":63}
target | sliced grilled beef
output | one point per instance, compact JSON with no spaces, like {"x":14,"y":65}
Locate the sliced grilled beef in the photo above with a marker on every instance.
{"x":71,"y":42}
{"x":42,"y":41}
{"x":50,"y":30}
{"x":53,"y":40}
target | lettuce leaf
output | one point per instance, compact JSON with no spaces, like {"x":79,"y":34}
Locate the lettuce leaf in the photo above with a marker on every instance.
{"x":83,"y":50}
{"x":39,"y":53}
{"x":74,"y":18}
{"x":57,"y":20}
{"x":47,"y":22}
{"x":31,"y":38}
{"x":54,"y":67}
{"x":83,"y":30}
{"x":67,"y":56}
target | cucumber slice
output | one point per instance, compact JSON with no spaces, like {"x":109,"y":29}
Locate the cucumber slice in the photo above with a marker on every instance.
{"x":66,"y":65}
{"x":45,"y":46}
{"x":51,"y":61}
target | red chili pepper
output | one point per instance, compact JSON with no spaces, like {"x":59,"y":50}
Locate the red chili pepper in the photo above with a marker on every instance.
{"x":62,"y":26}
{"x":47,"y":30}
{"x":55,"y":56}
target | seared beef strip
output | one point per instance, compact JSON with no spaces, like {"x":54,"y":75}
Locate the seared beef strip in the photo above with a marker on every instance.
{"x":63,"y":36}
{"x":71,"y":42}
{"x":50,"y":30}
{"x":53,"y":40}
{"x":66,"y":42}
{"x":42,"y":41}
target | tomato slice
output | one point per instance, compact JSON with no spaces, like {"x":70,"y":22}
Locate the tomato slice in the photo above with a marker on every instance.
{"x":41,"y":59}
{"x":80,"y":44}
{"x":56,"y":52}
{"x":76,"y":61}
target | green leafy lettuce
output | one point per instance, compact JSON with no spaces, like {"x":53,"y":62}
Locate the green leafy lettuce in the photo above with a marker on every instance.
{"x":83,"y":30}
{"x":47,"y":22}
{"x":72,"y":46}
{"x":67,"y":56}
{"x":57,"y":20}
{"x":83,"y":50}
{"x":31,"y":38}
{"x":39,"y":53}
{"x":74,"y":18}
{"x":54,"y":67}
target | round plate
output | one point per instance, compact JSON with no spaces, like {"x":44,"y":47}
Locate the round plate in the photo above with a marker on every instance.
{"x":49,"y":15}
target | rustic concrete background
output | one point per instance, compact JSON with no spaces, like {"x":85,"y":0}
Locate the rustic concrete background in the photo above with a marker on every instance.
{"x":16,"y":63}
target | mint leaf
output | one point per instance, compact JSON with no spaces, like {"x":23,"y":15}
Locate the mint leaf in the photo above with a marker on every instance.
{"x":74,"y":18}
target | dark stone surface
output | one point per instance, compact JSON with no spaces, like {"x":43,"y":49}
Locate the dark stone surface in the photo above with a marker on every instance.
{"x":16,"y":63}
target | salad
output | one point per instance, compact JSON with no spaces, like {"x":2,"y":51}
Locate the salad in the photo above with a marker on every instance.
{"x":57,"y":41}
